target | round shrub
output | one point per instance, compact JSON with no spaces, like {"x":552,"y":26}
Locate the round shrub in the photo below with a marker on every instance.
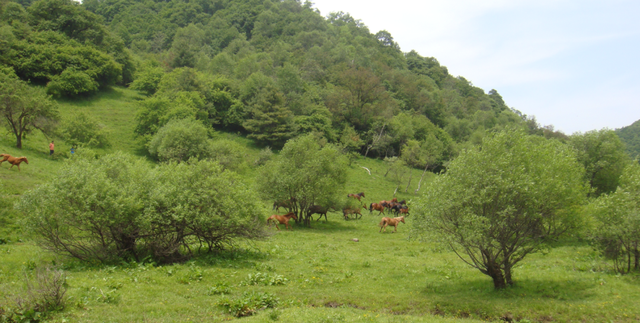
{"x":71,"y":82}
{"x":180,"y":140}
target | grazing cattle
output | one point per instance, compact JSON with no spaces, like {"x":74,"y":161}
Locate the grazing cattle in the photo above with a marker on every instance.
{"x":356,"y":196}
{"x":283,"y":219}
{"x":377,"y":207}
{"x":389,"y":221}
{"x":14,"y":161}
{"x":350,"y":210}
{"x":317,"y":209}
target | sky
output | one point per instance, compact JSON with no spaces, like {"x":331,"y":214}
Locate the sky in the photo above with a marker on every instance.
{"x":573,"y":64}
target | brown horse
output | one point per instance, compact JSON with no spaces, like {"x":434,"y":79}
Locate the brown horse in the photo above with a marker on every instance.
{"x":283,"y":219}
{"x":377,"y":207}
{"x":356,"y":196}
{"x":287,"y":204}
{"x":349,"y":210}
{"x":389,"y":221}
{"x":317,"y":209}
{"x":14,"y":161}
{"x":399,"y":208}
{"x":386,"y":204}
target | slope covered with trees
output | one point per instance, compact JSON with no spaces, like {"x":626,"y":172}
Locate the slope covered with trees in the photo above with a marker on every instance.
{"x":630,"y":136}
{"x":270,"y":69}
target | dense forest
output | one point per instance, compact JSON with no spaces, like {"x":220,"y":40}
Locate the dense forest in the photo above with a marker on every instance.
{"x":271,"y":70}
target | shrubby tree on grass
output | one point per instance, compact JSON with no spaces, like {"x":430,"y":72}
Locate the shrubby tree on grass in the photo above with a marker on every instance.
{"x":603,"y":155}
{"x":119,"y":208}
{"x":24,"y":108}
{"x":90,"y":210}
{"x":305,"y":174}
{"x":501,"y":201}
{"x":179,"y":140}
{"x":81,"y":129}
{"x":617,"y":215}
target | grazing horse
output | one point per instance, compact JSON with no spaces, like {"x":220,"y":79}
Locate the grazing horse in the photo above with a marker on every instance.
{"x":356,"y":196}
{"x":389,"y":221}
{"x":287,"y":204}
{"x":349,"y":210}
{"x":317,"y":209}
{"x":283,"y":219}
{"x":377,"y":207}
{"x":14,"y":161}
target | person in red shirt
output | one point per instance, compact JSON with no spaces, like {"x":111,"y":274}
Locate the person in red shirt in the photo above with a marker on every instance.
{"x":51,"y":148}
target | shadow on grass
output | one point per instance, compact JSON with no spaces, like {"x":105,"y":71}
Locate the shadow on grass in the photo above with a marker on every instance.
{"x":524,"y":290}
{"x":336,"y":224}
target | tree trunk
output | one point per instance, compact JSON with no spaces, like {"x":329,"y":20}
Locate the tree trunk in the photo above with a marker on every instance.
{"x":421,"y":177}
{"x":374,"y":141}
{"x":507,"y":275}
{"x":18,"y":141}
{"x":493,"y":270}
{"x":636,"y":253}
{"x":410,"y":174}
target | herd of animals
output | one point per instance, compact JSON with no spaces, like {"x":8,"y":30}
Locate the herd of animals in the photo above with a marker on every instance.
{"x":392,"y":206}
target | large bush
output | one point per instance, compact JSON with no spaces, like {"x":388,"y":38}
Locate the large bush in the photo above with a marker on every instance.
{"x":83,"y":130}
{"x":118,"y":208}
{"x":180,"y":140}
{"x":617,"y":215}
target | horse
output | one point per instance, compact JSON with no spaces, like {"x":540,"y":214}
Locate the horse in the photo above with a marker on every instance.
{"x":287,"y":204}
{"x":389,"y":221}
{"x":399,"y":208}
{"x":317,"y":209}
{"x":394,"y":200}
{"x":377,"y":207}
{"x":283,"y":219}
{"x":348,"y":210}
{"x":14,"y":161}
{"x":356,"y":196}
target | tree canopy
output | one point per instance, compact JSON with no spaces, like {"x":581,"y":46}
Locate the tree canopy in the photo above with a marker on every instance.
{"x":305,"y":174}
{"x":503,"y":200}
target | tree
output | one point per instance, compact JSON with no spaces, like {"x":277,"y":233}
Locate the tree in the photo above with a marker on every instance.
{"x":118,"y":208}
{"x":603,"y":156}
{"x":179,"y":140}
{"x":269,"y":121}
{"x":305,"y":174}
{"x":83,"y":130}
{"x":617,"y":230}
{"x":501,"y":201}
{"x":24,"y":108}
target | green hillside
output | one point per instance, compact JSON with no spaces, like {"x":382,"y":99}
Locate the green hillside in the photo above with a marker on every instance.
{"x":176,"y":85}
{"x":630,"y":135}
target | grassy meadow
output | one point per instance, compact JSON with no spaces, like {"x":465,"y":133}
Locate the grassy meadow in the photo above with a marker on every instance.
{"x":317,"y":274}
